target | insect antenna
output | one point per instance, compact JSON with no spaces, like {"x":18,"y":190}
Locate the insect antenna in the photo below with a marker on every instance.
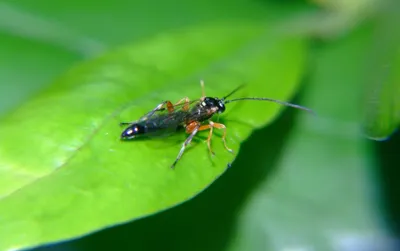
{"x":232,"y":92}
{"x":270,"y":100}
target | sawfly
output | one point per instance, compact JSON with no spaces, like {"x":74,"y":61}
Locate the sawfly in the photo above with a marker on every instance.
{"x":193,"y":116}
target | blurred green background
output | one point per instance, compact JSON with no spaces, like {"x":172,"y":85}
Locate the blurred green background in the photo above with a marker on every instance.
{"x":301,"y":183}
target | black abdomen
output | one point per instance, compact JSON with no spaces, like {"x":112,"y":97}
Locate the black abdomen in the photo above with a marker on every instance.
{"x":134,"y":131}
{"x":164,"y":124}
{"x":147,"y":129}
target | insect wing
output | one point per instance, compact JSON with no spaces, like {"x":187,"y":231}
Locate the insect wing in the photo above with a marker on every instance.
{"x":163,"y":110}
{"x":171,"y":120}
{"x":160,"y":122}
{"x":178,"y":115}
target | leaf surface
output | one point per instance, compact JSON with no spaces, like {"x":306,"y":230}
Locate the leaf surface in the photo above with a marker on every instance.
{"x":64,"y":172}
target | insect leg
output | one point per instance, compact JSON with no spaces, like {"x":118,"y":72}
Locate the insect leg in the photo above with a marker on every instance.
{"x":186,"y":104}
{"x":171,"y":107}
{"x":206,"y":127}
{"x":222,"y":126}
{"x":218,"y":126}
{"x":160,"y":107}
{"x":192,"y":128}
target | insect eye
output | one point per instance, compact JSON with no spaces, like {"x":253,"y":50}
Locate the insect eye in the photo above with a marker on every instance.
{"x":221,"y":106}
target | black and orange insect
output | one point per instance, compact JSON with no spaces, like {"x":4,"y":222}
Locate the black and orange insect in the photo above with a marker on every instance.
{"x":193,"y":116}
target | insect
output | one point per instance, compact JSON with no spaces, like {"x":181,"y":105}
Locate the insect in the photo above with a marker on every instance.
{"x":193,"y":116}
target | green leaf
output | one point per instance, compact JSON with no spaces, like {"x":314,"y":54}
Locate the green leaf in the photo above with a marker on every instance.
{"x":319,"y":197}
{"x":382,"y":102}
{"x":64,"y":172}
{"x":39,"y":40}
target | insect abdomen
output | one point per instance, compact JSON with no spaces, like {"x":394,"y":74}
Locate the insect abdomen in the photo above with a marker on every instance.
{"x":141,"y":129}
{"x":134,"y":130}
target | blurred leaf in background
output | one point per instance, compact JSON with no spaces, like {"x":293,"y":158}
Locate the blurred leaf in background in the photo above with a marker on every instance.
{"x":307,"y":185}
{"x":43,"y":38}
{"x":382,"y":94}
{"x":317,"y":199}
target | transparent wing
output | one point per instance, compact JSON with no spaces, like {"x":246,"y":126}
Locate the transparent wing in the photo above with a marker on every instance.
{"x":163,"y":118}
{"x":159,"y":111}
{"x":181,"y":117}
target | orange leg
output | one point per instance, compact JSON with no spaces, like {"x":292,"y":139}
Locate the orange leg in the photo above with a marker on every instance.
{"x":222,"y":126}
{"x":185,"y":105}
{"x":170,"y":106}
{"x":191,"y":128}
{"x":159,"y":107}
{"x":210,"y":126}
{"x":206,"y":127}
